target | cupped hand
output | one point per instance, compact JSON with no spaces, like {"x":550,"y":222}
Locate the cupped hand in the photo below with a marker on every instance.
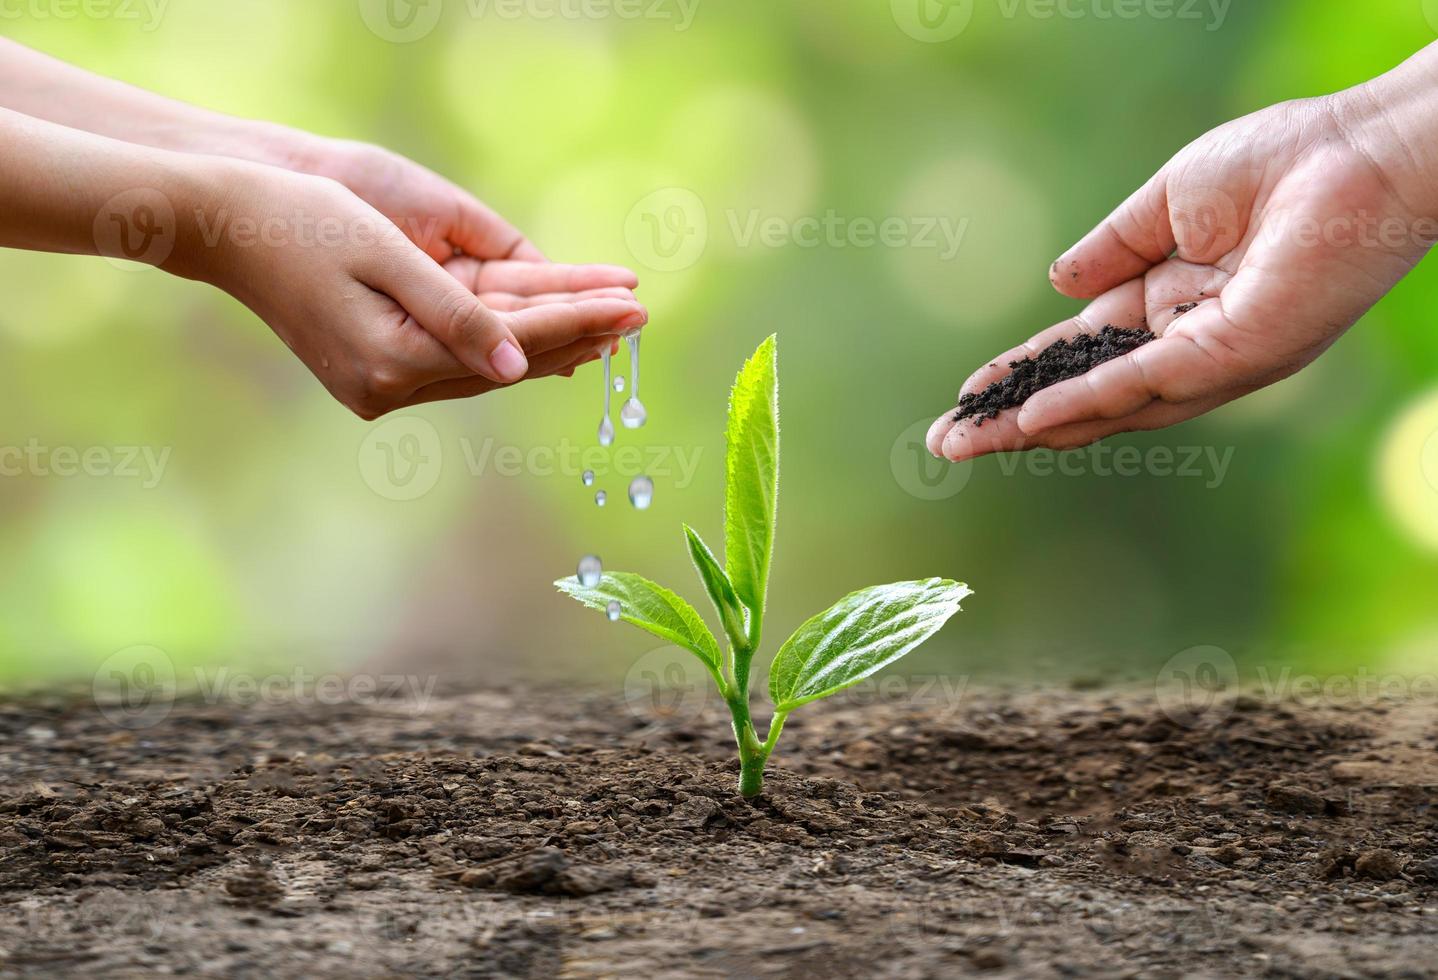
{"x":438,"y":216}
{"x":1247,"y":255}
{"x":380,"y":323}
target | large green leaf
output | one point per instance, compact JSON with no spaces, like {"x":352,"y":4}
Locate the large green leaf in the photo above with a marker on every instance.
{"x":751,"y":488}
{"x":860,"y":634}
{"x":717,"y":584}
{"x":651,"y":607}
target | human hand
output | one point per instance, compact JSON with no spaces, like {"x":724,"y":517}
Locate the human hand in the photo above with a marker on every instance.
{"x":439,"y":217}
{"x":380,"y":323}
{"x":1247,"y":255}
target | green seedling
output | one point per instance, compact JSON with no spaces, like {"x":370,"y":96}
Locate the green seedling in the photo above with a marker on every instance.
{"x":857,"y":636}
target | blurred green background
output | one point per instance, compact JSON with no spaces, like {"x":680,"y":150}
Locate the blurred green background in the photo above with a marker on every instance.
{"x":274,"y":535}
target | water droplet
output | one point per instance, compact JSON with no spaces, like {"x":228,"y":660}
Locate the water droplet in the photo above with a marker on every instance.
{"x":590,"y":570}
{"x":613,"y":610}
{"x":588,"y":478}
{"x":601,"y":498}
{"x":633,"y":414}
{"x":606,"y":427}
{"x":641,"y":492}
{"x":619,"y":384}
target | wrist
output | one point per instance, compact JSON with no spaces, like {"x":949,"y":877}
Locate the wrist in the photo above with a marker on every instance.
{"x":1393,"y":121}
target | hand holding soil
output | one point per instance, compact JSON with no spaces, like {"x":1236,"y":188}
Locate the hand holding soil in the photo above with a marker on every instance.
{"x":1247,"y":256}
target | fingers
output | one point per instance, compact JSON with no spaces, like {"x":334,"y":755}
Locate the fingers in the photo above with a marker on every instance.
{"x":509,"y":302}
{"x":482,"y":233}
{"x":479,"y":338}
{"x":1122,"y":307}
{"x":562,"y":363}
{"x":1192,"y":361}
{"x":529,"y":278}
{"x":1136,"y":237}
{"x":557,"y":324}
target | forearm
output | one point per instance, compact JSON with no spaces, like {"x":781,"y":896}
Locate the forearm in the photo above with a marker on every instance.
{"x":68,"y":191}
{"x":46,"y":88}
{"x":1394,"y":120}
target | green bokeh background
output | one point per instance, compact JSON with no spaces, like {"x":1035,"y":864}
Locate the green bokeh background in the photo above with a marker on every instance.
{"x":265,"y":544}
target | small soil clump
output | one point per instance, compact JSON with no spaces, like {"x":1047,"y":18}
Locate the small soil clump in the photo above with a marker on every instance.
{"x":1061,"y":361}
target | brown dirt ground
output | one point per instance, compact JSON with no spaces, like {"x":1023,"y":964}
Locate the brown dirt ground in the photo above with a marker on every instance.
{"x":528,"y":833}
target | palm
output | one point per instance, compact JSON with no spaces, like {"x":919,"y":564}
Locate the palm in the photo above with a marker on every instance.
{"x":1248,"y":255}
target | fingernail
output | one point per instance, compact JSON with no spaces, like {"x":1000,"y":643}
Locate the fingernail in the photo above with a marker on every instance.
{"x":634,"y":320}
{"x":508,"y":363}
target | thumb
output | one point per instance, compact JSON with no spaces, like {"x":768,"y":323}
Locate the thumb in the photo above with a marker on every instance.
{"x":477,"y":337}
{"x":1129,"y":242}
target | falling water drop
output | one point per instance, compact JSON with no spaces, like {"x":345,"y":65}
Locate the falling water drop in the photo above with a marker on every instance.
{"x":641,"y":492}
{"x":588,"y":478}
{"x":619,"y":384}
{"x":601,"y":498}
{"x":633,"y":414}
{"x":590,"y":570}
{"x":613,"y":610}
{"x":606,"y":427}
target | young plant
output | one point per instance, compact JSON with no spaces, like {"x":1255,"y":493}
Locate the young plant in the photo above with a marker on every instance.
{"x":859,"y":635}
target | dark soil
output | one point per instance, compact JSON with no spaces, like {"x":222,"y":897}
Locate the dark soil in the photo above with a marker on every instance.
{"x":531,"y":834}
{"x":1060,"y":361}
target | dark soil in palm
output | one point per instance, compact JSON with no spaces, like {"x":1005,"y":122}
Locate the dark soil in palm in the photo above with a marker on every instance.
{"x":538,"y":834}
{"x":1061,"y":361}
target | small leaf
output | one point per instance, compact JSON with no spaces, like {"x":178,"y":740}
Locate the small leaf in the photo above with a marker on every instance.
{"x":751,"y":488}
{"x":860,"y":634}
{"x":651,"y":607}
{"x":717,"y":584}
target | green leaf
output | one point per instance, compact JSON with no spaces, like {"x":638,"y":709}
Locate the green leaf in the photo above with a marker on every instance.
{"x":651,"y":607}
{"x":751,"y":489}
{"x":860,"y":634}
{"x":717,"y":584}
